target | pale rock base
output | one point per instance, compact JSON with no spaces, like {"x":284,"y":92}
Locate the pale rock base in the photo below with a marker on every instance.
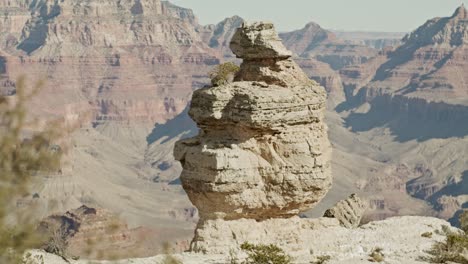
{"x":306,"y":239}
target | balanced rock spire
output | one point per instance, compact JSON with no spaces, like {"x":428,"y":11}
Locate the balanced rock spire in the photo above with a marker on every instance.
{"x":262,"y":151}
{"x":258,"y":41}
{"x":265,"y":59}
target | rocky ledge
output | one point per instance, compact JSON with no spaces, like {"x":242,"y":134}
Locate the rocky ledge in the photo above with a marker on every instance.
{"x":400,"y":239}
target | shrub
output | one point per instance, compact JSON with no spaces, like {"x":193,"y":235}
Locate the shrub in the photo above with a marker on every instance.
{"x":322,"y":259}
{"x":265,"y":254}
{"x":377,"y":255}
{"x":57,"y":240}
{"x":427,"y":234}
{"x":169,"y":258}
{"x":20,"y":160}
{"x":233,"y":257}
{"x":223,"y":73}
{"x":454,"y":249}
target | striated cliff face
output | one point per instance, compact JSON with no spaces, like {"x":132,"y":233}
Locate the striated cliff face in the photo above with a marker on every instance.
{"x":411,"y":102}
{"x":122,"y":66}
{"x":430,"y":63}
{"x":323,"y":74}
{"x":263,"y":150}
{"x":219,"y":36}
{"x":13,"y":17}
{"x":376,"y":40}
{"x":116,"y":68}
{"x":312,"y":41}
{"x":110,"y":53}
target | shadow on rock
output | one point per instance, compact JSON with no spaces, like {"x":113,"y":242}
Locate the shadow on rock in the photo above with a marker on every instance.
{"x":412,"y":118}
{"x":173,"y":128}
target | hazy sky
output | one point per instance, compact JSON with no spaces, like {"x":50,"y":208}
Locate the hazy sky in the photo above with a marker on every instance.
{"x":366,"y":15}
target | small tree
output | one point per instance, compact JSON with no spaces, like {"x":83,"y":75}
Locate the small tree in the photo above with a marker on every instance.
{"x":452,"y":250}
{"x":20,"y":159}
{"x":223,"y":73}
{"x":57,"y":239}
{"x":265,"y":254}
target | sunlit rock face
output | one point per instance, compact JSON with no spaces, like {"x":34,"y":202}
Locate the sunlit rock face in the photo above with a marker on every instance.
{"x":131,"y":60}
{"x":430,"y":64}
{"x":262,"y":151}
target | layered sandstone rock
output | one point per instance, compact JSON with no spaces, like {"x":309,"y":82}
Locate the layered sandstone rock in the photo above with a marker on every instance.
{"x":418,"y":92}
{"x":429,"y":64}
{"x":349,"y":212}
{"x":326,"y":77}
{"x":120,"y":60}
{"x":119,"y":67}
{"x":262,"y":151}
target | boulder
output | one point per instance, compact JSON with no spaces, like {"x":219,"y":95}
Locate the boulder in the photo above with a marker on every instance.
{"x":349,"y":212}
{"x":263,"y":150}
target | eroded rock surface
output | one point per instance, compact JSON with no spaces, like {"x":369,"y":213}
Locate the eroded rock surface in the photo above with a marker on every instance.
{"x":99,"y":233}
{"x":121,"y":61}
{"x":263,"y":150}
{"x":348,"y":212}
{"x":400,"y":239}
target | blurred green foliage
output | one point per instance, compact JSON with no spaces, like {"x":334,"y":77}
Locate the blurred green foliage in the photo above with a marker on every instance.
{"x":265,"y":254}
{"x":23,"y":154}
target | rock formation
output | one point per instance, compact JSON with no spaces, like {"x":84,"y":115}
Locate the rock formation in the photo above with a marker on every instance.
{"x":323,"y":74}
{"x":219,"y":36}
{"x":312,"y":41}
{"x":118,"y":67}
{"x":133,"y":64}
{"x":376,"y":40}
{"x":349,"y":212}
{"x":86,"y":225}
{"x":429,"y":64}
{"x":400,"y":239}
{"x":98,"y":233}
{"x":119,"y":59}
{"x":417,"y":92}
{"x":263,"y":150}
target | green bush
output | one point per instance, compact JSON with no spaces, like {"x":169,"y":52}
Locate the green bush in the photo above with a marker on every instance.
{"x":427,"y":234}
{"x":453,"y":249}
{"x":265,"y":254}
{"x":376,"y":255}
{"x":20,"y":159}
{"x":223,"y":73}
{"x":322,"y":259}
